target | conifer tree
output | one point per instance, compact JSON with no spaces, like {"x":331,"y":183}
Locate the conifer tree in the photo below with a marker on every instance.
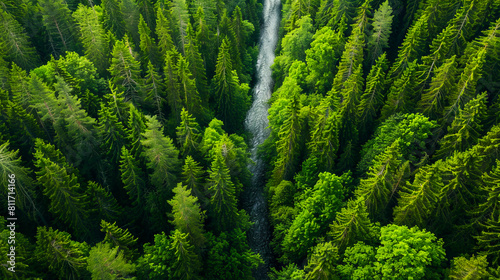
{"x":187,"y":215}
{"x":324,"y":138}
{"x":180,"y":17}
{"x":93,"y":37}
{"x":321,"y":265}
{"x":60,"y":26}
{"x":67,"y":202}
{"x":106,"y":262}
{"x":136,"y":128}
{"x":401,"y":97}
{"x":204,"y":39}
{"x":187,"y":264}
{"x":112,"y":133}
{"x":121,"y":238}
{"x":15,"y":43}
{"x":63,"y":257}
{"x":113,"y":17}
{"x":125,"y":71}
{"x":188,"y":134}
{"x":473,"y":268}
{"x":163,"y":32}
{"x":196,"y":64}
{"x":102,"y":203}
{"x":351,"y":224}
{"x":19,"y":87}
{"x":465,"y":129}
{"x":172,"y":86}
{"x":153,"y":87}
{"x":131,"y":16}
{"x":188,"y":92}
{"x":379,"y":37}
{"x":147,"y":9}
{"x":132,"y":178}
{"x":149,"y":49}
{"x":161,"y":154}
{"x":223,"y":201}
{"x":192,"y":176}
{"x":490,"y":206}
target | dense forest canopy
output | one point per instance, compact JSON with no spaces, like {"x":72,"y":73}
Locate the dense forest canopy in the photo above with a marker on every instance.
{"x":123,"y":123}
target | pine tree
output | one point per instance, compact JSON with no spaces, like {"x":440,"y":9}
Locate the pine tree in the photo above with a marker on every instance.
{"x":161,"y":155}
{"x":112,"y":133}
{"x":188,"y":134}
{"x":204,"y":39}
{"x":113,"y":17}
{"x":121,"y":238}
{"x":15,"y":43}
{"x":67,"y":202}
{"x":93,"y":37}
{"x":373,"y":97}
{"x":187,"y":264}
{"x":192,"y":176}
{"x":153,"y":87}
{"x":351,"y":224}
{"x":132,"y":178}
{"x":465,"y":129}
{"x":443,"y":83}
{"x":321,"y":265}
{"x":187,"y":215}
{"x":59,"y":25}
{"x":63,"y":257}
{"x":381,"y":182}
{"x":223,"y":201}
{"x":105,"y":262}
{"x":149,"y":49}
{"x":288,"y":144}
{"x":125,"y":71}
{"x":379,"y":38}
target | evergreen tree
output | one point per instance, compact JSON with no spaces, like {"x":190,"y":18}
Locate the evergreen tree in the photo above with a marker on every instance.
{"x":163,"y":32}
{"x":136,"y":128}
{"x":172,"y":86}
{"x":113,"y":17}
{"x":125,"y":71}
{"x":106,"y":262}
{"x":180,"y":17}
{"x":120,"y":238}
{"x":379,"y":38}
{"x":196,"y":64}
{"x":192,"y":176}
{"x":324,"y":138}
{"x":188,"y":92}
{"x":102,"y":203}
{"x":401,"y":97}
{"x":16,"y":46}
{"x":473,"y":268}
{"x":61,"y":256}
{"x":111,"y":132}
{"x":59,"y":25}
{"x":187,"y":215}
{"x":188,"y":134}
{"x":153,"y":87}
{"x":322,"y":262}
{"x":149,"y":49}
{"x":187,"y":264}
{"x":132,"y":178}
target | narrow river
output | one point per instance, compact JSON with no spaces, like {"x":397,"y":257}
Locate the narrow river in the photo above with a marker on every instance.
{"x":256,"y":123}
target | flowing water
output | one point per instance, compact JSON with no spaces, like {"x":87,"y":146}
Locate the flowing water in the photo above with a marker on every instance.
{"x":256,"y":123}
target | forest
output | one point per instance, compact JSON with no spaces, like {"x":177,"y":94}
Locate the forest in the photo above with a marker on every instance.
{"x":124,"y":152}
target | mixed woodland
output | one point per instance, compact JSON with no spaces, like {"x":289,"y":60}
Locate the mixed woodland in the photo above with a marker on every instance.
{"x":123,"y":122}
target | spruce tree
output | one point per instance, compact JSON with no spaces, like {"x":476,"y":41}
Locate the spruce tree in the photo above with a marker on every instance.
{"x":187,"y":89}
{"x":187,"y":264}
{"x":136,"y":128}
{"x":113,"y":17}
{"x":321,"y":264}
{"x":379,"y":37}
{"x":121,"y":238}
{"x":196,"y":64}
{"x":172,"y":86}
{"x":188,"y":134}
{"x":59,"y":25}
{"x":106,"y":262}
{"x":192,"y":176}
{"x":148,"y":46}
{"x":153,"y":88}
{"x":102,"y":203}
{"x":112,"y":133}
{"x":132,"y":178}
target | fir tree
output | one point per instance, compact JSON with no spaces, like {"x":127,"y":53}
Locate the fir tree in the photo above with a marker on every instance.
{"x":188,"y":134}
{"x":321,"y":265}
{"x":187,"y":264}
{"x":102,"y":203}
{"x":379,"y":38}
{"x":132,"y":178}
{"x":149,"y":49}
{"x":112,"y":133}
{"x":153,"y":87}
{"x":188,"y":92}
{"x":192,"y":176}
{"x":59,"y":25}
{"x":113,"y":17}
{"x":106,"y":262}
{"x":121,"y":238}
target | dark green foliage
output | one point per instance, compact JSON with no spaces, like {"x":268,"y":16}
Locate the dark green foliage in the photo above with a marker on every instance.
{"x":473,"y":268}
{"x":120,"y":238}
{"x":59,"y":26}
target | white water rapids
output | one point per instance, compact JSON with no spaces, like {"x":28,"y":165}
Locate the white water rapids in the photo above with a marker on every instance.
{"x":256,"y":123}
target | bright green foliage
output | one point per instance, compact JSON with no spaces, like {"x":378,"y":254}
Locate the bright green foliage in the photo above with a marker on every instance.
{"x":153,"y":87}
{"x":223,"y":196}
{"x":487,"y":240}
{"x":59,"y":25}
{"x":156,"y":257}
{"x":187,"y":263}
{"x":418,"y":199}
{"x":231,"y":98}
{"x":288,"y":144}
{"x":188,"y":134}
{"x":147,"y":9}
{"x":24,"y":253}
{"x":379,"y":38}
{"x":150,"y":52}
{"x":318,"y":210}
{"x":382,"y":180}
{"x":14,"y":42}
{"x":351,"y":224}
{"x":61,"y":256}
{"x":113,"y":17}
{"x":106,"y":262}
{"x":132,"y":178}
{"x":93,"y":37}
{"x":131,"y":16}
{"x":136,"y":127}
{"x":10,"y":163}
{"x":125,"y":70}
{"x":180,"y":19}
{"x":324,"y":138}
{"x":102,"y":204}
{"x":60,"y":185}
{"x":187,"y":215}
{"x":321,"y":58}
{"x":490,"y":208}
{"x":322,"y":263}
{"x":111,"y":133}
{"x":289,"y":272}
{"x":161,"y":155}
{"x":165,"y":42}
{"x":118,"y":237}
{"x":443,"y":82}
{"x":465,"y":129}
{"x":358,"y":262}
{"x":348,"y":113}
{"x":373,"y":97}
{"x":413,"y":129}
{"x":192,"y":176}
{"x":401,"y":97}
{"x":468,"y":269}
{"x":229,"y":256}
